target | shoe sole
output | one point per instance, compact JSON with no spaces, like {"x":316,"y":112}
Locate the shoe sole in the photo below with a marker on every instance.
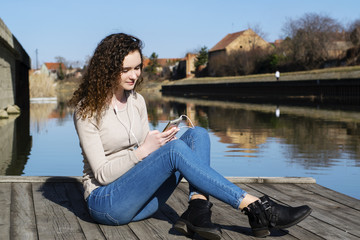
{"x":188,"y":229}
{"x":295,"y":222}
{"x":261,"y":233}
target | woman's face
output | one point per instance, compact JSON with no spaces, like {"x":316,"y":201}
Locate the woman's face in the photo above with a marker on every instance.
{"x":131,"y":71}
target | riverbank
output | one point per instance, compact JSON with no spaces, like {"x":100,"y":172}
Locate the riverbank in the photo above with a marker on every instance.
{"x":335,"y":86}
{"x":319,"y":74}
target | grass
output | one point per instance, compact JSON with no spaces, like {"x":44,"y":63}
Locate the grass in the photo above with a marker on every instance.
{"x":41,"y":86}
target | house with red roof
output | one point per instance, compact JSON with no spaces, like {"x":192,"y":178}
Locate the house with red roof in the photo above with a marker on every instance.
{"x":52,"y":69}
{"x":246,"y":40}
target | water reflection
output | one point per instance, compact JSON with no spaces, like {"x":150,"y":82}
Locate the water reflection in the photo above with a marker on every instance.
{"x":15,"y":142}
{"x":42,"y":111}
{"x":315,"y":138}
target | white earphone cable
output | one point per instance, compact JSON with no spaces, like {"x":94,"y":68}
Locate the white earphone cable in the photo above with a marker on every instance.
{"x":189,"y":121}
{"x":130,"y":121}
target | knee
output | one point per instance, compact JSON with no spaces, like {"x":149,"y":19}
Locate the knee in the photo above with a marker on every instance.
{"x":199,"y":132}
{"x":176,"y":145}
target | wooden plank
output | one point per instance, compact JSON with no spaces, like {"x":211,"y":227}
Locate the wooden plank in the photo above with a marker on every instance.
{"x":5,"y":202}
{"x":78,"y":206}
{"x":122,"y":232}
{"x":323,"y":230}
{"x":91,"y":229}
{"x":328,"y":222}
{"x":54,"y":219}
{"x":271,"y":180}
{"x":40,"y":179}
{"x":331,"y":194}
{"x":156,"y":227}
{"x":23,"y":223}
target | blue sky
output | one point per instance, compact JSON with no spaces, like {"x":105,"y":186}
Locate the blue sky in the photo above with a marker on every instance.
{"x":73,"y":28}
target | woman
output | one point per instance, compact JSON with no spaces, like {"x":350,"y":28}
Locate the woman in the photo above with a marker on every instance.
{"x":130,"y":171}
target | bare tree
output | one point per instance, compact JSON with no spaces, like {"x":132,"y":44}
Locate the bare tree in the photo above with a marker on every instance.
{"x":308,"y":38}
{"x":354,"y":32}
{"x":60,"y":59}
{"x":353,"y":35}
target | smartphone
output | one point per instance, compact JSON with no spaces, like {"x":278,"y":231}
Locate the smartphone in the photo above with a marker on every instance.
{"x":173,"y":123}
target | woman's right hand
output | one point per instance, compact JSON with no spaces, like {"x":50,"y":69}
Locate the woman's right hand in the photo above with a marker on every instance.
{"x":154,"y":140}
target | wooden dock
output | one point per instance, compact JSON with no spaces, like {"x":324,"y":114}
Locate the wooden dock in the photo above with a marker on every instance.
{"x":53,"y":208}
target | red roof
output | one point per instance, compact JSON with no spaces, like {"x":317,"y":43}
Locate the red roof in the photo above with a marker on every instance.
{"x":226,"y":41}
{"x":162,"y":61}
{"x":54,"y":66}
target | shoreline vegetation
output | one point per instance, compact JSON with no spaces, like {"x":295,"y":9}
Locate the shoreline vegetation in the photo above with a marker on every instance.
{"x":41,"y":85}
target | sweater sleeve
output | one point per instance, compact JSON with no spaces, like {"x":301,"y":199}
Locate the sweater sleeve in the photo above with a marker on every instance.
{"x":104,"y":170}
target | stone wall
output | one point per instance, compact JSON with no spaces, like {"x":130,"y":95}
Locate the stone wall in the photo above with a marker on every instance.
{"x":14,"y":71}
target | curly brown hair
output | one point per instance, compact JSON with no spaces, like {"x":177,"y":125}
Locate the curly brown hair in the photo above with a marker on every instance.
{"x":101,"y":77}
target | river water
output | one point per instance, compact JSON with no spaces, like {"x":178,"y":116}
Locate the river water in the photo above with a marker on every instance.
{"x":257,"y":140}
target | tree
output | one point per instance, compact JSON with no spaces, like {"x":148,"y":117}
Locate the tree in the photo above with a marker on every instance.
{"x":354,"y":32}
{"x":153,"y":64}
{"x":201,"y":58}
{"x":151,"y":71}
{"x":60,"y":59}
{"x":60,"y":72}
{"x":309,"y":37}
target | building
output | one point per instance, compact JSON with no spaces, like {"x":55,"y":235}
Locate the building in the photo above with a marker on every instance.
{"x":239,"y":41}
{"x":52,"y":69}
{"x":179,"y":67}
{"x":186,"y":67}
{"x":162,"y":62}
{"x":337,"y":49}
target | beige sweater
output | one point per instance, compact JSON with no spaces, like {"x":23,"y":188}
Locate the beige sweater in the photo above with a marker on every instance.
{"x":108,"y":147}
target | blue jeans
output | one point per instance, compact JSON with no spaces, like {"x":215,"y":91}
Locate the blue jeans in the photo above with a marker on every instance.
{"x":138,"y":193}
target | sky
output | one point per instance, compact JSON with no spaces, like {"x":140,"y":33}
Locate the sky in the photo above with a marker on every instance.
{"x":73,"y":28}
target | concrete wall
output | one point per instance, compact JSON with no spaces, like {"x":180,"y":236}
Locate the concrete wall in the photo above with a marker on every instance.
{"x":14,"y":71}
{"x":15,"y":139}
